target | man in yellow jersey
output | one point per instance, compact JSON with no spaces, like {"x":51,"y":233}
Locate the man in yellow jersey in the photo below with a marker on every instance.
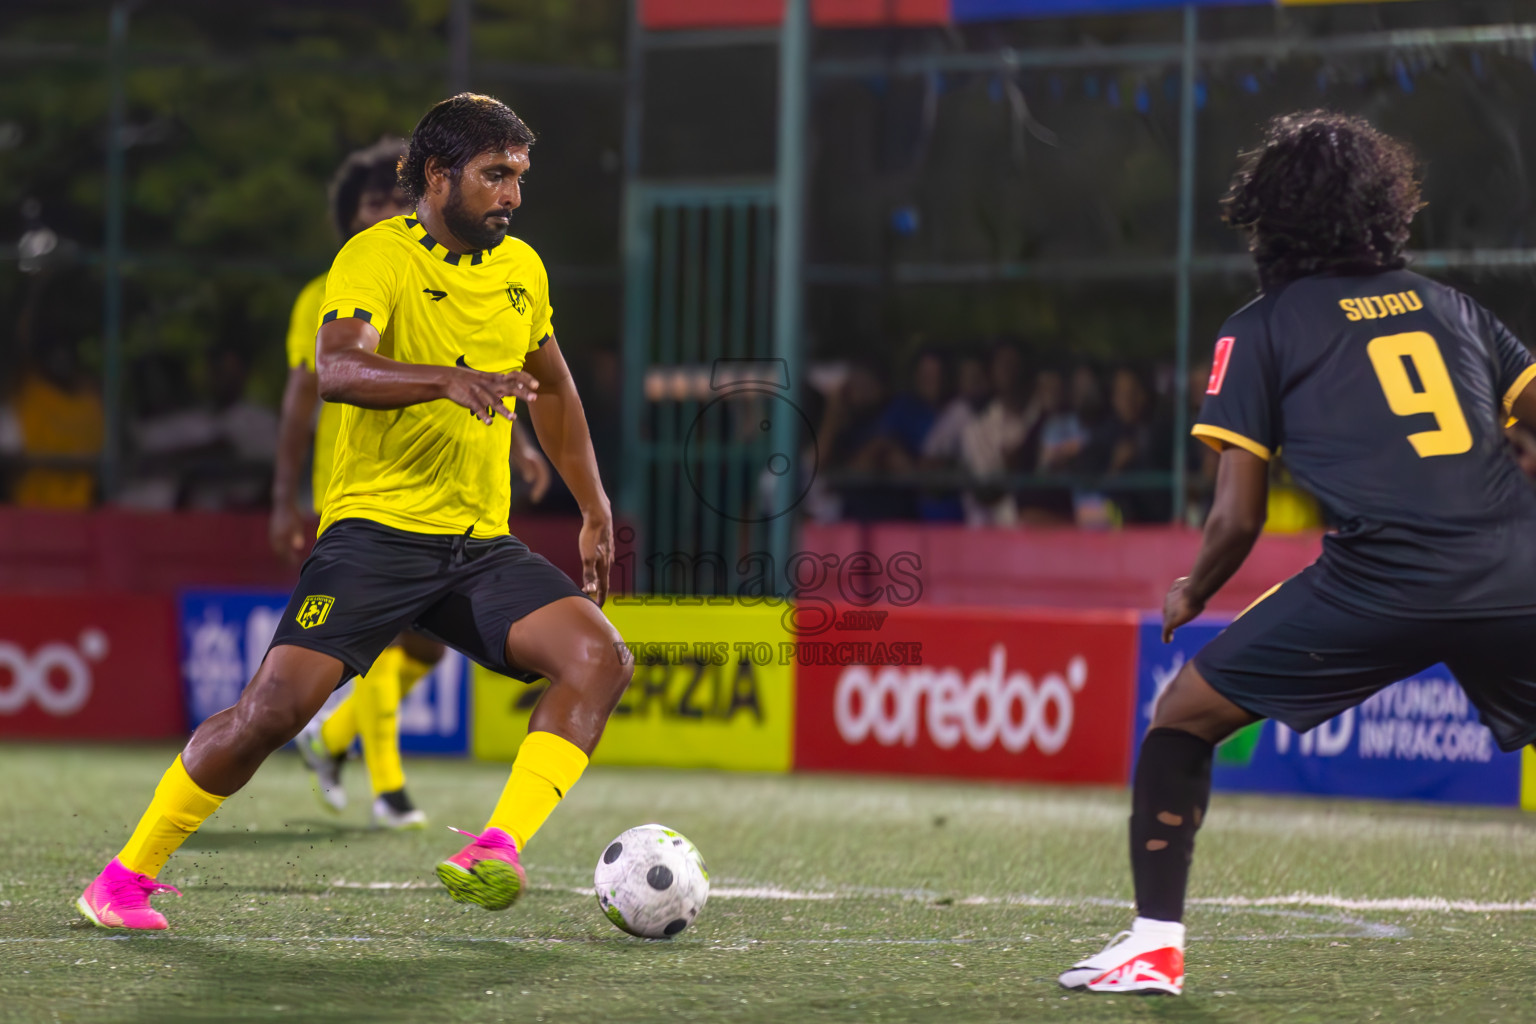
{"x":430,"y":322}
{"x":364,"y":191}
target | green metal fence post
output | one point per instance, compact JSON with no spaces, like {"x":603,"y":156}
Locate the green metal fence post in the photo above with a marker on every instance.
{"x":788,"y":327}
{"x":460,"y":19}
{"x":635,"y":245}
{"x":1185,"y":260}
{"x":112,"y":257}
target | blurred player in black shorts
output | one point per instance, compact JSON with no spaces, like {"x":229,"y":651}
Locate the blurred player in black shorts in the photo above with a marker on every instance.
{"x":1389,"y":394}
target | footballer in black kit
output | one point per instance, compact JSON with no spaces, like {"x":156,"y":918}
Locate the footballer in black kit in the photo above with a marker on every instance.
{"x":1389,"y":394}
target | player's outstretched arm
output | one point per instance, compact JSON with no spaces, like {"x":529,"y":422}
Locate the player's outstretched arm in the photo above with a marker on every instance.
{"x":286,"y":528}
{"x":561,"y":425}
{"x":1237,"y":517}
{"x":352,"y":372}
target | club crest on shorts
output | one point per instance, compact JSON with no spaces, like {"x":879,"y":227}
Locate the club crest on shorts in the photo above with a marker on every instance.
{"x":314,"y":610}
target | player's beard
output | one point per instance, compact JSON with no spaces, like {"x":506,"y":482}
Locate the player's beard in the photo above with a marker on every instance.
{"x":480,"y":231}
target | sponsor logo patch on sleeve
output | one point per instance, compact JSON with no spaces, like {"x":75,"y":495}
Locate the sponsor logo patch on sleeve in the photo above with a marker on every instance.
{"x":1219,"y":360}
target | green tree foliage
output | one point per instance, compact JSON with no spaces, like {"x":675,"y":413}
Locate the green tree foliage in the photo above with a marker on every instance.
{"x":238,"y":114}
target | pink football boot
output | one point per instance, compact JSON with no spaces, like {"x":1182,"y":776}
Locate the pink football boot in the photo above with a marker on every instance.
{"x":119,"y":898}
{"x":486,"y":871}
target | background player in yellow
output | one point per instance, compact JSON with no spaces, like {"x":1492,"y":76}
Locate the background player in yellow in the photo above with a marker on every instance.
{"x":430,"y":323}
{"x":363,"y":192}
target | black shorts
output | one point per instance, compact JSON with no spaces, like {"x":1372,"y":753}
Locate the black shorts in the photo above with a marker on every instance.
{"x":365,"y":582}
{"x":1300,"y":658}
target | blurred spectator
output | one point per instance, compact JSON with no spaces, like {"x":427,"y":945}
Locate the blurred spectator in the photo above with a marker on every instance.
{"x":943,"y":448}
{"x":248,"y":428}
{"x":59,"y":415}
{"x":908,"y":425}
{"x":911,"y":416}
{"x":1087,"y":400}
{"x":994,"y":443}
{"x":1130,"y":441}
{"x":1200,"y":458}
{"x":943,"y":445}
{"x":852,"y":438}
{"x":56,"y":423}
{"x":215,"y":456}
{"x":1063,"y":434}
{"x":1054,"y":428}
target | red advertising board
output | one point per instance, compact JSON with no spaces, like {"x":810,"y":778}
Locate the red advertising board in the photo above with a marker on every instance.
{"x":89,"y":665}
{"x":675,"y":14}
{"x":980,"y":693}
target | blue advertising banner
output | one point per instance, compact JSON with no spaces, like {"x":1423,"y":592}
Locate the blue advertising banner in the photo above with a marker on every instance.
{"x":224,"y":636}
{"x":1001,"y":10}
{"x":1420,"y":739}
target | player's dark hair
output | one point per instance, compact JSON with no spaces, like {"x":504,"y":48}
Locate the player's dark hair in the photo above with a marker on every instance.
{"x":1324,"y":191}
{"x":367,"y":170}
{"x":456,"y":131}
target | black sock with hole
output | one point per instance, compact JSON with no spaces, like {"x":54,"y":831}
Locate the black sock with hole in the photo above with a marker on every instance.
{"x":1168,"y":800}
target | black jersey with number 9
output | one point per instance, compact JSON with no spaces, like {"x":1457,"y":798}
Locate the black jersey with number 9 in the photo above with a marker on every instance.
{"x":1388,"y":394}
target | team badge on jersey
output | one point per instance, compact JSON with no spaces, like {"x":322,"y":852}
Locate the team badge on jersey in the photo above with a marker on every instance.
{"x":518,"y":296}
{"x":314,"y":610}
{"x":1219,"y":360}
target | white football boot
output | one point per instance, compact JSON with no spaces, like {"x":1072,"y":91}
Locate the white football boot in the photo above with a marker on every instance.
{"x":1147,"y":959}
{"x":325,"y":766}
{"x":395,"y":810}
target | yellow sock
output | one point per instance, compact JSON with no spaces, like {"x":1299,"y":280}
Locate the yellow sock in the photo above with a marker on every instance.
{"x":546,"y":768}
{"x":339,"y":730}
{"x":378,"y":696}
{"x":179,"y":807}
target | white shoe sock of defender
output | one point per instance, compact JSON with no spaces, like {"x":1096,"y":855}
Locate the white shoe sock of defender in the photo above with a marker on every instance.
{"x":1168,"y":933}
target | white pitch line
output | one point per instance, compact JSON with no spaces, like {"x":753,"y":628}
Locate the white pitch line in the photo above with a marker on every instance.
{"x":706,"y":945}
{"x":1408,"y":904}
{"x":759,"y":892}
{"x":1401,"y":904}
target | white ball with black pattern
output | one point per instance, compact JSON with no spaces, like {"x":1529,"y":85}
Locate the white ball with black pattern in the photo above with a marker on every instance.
{"x":651,"y":882}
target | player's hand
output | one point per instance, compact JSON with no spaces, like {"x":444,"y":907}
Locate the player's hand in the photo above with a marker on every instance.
{"x":482,"y":393}
{"x":1179,"y":607}
{"x":596,"y":545}
{"x":534,"y":469}
{"x":286,"y":533}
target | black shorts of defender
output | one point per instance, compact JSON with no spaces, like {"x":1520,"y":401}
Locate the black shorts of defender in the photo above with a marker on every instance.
{"x":365,"y":582}
{"x":1300,"y":658}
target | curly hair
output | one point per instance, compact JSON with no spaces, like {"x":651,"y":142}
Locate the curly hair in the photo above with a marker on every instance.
{"x":1325,"y":191}
{"x":457,"y":130}
{"x":367,"y":170}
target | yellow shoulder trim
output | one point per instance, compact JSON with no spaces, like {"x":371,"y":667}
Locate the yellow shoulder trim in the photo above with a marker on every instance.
{"x":1220,"y":437}
{"x":1518,"y":386}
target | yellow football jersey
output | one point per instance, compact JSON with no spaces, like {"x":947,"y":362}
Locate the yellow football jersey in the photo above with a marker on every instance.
{"x":301,"y":352}
{"x":434,"y":467}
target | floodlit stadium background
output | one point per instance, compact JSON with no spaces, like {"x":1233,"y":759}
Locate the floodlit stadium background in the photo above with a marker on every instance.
{"x":764,"y":234}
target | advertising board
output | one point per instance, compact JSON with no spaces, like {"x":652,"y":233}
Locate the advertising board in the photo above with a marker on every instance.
{"x":712,"y":688}
{"x":224,"y":636}
{"x":1419,"y":739}
{"x":88,"y":666}
{"x":975,"y":692}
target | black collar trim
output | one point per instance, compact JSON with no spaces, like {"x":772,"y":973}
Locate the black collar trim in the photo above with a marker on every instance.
{"x":441,"y":251}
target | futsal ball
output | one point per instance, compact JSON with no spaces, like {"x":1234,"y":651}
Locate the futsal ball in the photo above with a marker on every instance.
{"x":651,"y":882}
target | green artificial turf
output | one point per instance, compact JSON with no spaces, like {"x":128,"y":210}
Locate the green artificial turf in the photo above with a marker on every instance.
{"x":835,"y":898}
